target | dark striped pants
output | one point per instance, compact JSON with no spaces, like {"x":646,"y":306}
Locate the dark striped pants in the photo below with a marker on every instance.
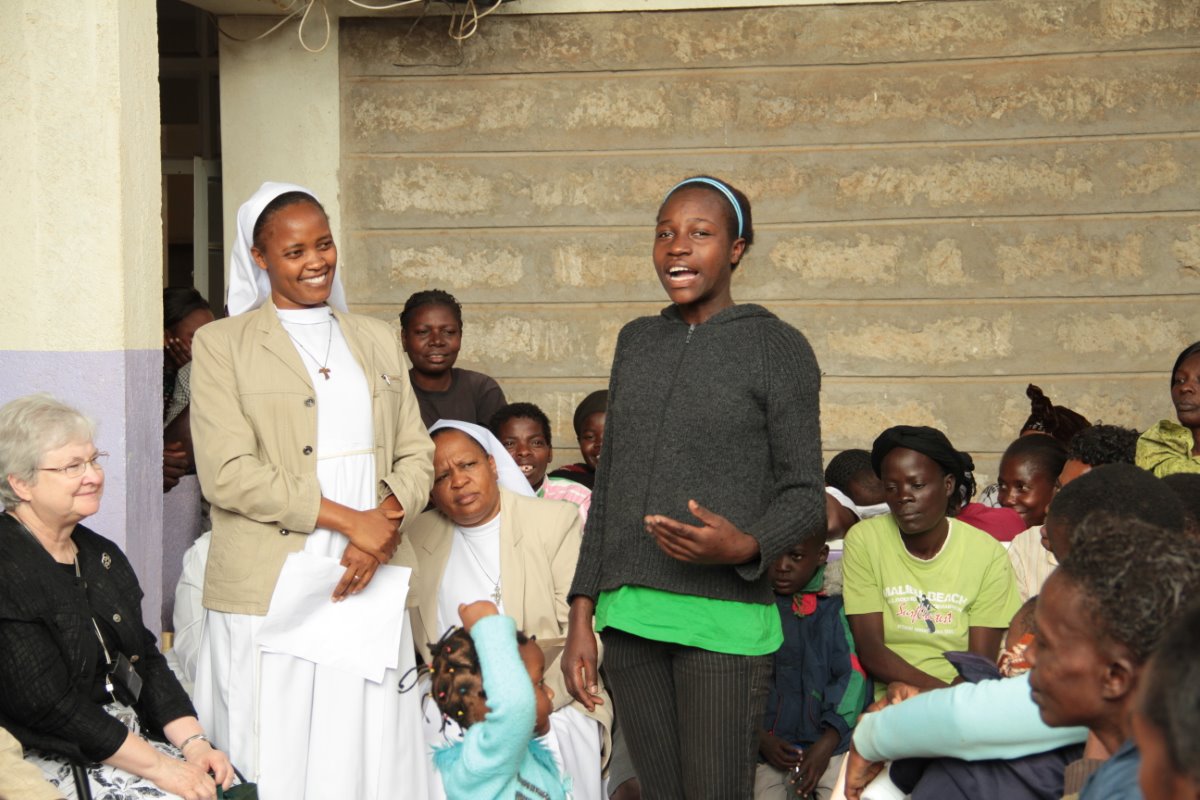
{"x":691,"y":716}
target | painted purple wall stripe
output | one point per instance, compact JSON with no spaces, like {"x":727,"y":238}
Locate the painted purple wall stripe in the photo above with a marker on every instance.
{"x":122,"y":391}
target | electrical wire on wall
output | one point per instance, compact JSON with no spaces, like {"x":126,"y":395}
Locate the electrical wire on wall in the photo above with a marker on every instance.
{"x":463,"y":25}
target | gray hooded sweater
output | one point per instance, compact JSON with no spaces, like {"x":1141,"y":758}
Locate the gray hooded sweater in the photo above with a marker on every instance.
{"x":726,"y":413}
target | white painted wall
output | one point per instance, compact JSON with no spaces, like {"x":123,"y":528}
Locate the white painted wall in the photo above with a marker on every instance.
{"x":279,"y":118}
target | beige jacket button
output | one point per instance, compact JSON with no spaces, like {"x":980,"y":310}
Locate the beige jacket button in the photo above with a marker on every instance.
{"x":308,"y":450}
{"x":308,"y":401}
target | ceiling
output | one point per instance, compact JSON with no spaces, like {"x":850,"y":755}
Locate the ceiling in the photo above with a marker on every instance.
{"x":344,"y":8}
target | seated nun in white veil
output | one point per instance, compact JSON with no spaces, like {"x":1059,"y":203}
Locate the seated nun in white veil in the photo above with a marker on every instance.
{"x":487,"y":537}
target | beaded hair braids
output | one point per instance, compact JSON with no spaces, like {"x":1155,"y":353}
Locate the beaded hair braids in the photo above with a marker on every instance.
{"x":455,"y":675}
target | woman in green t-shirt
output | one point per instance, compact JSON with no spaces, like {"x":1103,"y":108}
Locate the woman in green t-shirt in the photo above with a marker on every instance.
{"x":919,"y":583}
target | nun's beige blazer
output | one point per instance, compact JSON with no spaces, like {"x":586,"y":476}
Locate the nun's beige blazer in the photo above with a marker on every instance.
{"x":254,"y":427}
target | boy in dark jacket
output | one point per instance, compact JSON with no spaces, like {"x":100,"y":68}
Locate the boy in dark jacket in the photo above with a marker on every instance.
{"x":818,"y":688}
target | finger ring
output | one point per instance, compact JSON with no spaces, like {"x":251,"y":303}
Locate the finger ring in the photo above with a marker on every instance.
{"x":358,"y":577}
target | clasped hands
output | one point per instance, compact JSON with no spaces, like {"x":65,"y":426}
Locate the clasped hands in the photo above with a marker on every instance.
{"x":715,"y":540}
{"x":373,"y":540}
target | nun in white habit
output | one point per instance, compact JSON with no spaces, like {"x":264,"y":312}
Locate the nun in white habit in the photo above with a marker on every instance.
{"x":309,"y":445}
{"x":470,"y":569}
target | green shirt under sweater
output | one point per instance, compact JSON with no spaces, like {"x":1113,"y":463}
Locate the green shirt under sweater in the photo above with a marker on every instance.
{"x":721,"y":626}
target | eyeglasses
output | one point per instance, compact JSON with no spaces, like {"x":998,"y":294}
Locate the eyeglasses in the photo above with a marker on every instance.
{"x":76,"y":468}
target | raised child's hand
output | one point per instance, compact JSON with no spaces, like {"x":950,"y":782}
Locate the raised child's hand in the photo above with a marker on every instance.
{"x":473,"y":612}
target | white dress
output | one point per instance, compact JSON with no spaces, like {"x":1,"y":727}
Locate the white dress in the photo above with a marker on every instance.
{"x":304,"y":730}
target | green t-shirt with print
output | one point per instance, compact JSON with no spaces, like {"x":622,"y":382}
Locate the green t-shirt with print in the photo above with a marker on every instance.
{"x":929,"y":606}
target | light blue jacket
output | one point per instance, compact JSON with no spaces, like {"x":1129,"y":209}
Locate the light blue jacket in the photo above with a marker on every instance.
{"x":971,"y":721}
{"x":498,"y":757}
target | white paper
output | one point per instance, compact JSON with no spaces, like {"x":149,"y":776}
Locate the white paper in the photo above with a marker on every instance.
{"x":360,"y":635}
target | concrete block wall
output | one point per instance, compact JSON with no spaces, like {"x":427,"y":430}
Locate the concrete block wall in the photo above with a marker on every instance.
{"x":952,"y":198}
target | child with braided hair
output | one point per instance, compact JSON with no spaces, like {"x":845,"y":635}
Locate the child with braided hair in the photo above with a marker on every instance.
{"x":476,"y":681}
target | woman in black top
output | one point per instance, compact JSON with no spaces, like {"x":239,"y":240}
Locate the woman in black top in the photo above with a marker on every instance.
{"x":431,"y":332}
{"x":79,"y":673}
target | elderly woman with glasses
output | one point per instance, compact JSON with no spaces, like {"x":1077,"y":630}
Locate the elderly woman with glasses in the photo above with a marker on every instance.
{"x":81,"y":679}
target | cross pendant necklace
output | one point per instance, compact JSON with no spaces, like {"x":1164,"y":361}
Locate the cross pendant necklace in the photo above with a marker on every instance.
{"x":496,"y":595}
{"x":321,"y":368}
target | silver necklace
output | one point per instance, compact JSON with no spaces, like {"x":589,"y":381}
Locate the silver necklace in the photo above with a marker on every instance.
{"x":496,"y":596}
{"x":321,"y":368}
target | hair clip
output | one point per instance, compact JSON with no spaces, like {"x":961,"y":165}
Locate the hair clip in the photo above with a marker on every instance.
{"x":460,"y":712}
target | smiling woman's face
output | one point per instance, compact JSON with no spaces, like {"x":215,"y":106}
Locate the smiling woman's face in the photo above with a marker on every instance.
{"x":299,"y":256}
{"x":61,"y":500}
{"x":1025,"y":488}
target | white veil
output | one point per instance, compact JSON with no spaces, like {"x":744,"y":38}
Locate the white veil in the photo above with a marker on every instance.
{"x":249,"y":286}
{"x":509,"y":474}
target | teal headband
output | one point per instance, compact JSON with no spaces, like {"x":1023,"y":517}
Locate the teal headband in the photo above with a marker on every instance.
{"x":720,"y":187}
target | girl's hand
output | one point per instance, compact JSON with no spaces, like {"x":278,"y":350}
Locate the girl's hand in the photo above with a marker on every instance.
{"x":209,"y":759}
{"x":715,"y":541}
{"x":189,"y":781}
{"x":360,"y":568}
{"x":375,"y":532}
{"x":473,"y":612}
{"x":580,"y":655}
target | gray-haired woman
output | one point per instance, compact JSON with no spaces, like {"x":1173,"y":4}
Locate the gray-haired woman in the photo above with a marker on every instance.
{"x":81,"y":679}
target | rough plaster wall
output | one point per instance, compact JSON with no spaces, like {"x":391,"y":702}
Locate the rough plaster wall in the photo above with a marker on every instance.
{"x":81,"y":176}
{"x":951,"y":198}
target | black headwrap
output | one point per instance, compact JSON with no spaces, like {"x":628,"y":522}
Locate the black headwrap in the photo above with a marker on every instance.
{"x":932,"y":443}
{"x":1058,"y":421}
{"x":596,"y":402}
